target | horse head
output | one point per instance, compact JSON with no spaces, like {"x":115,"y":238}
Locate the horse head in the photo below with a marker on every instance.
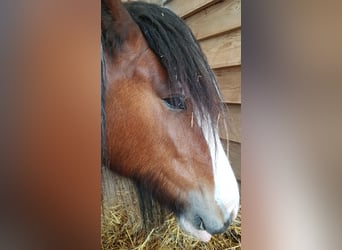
{"x":161,"y":105}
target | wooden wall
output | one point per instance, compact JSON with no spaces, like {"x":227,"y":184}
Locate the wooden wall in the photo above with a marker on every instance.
{"x":159,"y":2}
{"x":217,"y":26}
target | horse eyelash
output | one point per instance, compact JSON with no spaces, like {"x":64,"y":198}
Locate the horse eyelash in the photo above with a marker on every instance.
{"x":171,"y":104}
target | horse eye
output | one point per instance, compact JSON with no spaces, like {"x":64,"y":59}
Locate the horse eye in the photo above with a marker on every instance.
{"x":175,"y":102}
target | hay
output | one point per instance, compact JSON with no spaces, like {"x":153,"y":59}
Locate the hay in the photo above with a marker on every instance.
{"x":122,"y":228}
{"x":118,"y":232}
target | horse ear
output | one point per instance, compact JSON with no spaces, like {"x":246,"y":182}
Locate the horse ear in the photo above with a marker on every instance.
{"x":117,"y":26}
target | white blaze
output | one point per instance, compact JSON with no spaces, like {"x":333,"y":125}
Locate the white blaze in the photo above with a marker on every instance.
{"x":226,"y":187}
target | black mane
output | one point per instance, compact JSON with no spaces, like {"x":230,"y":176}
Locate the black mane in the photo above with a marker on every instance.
{"x":181,"y":55}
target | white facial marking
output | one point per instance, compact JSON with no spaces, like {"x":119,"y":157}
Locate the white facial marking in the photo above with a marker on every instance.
{"x":226,"y":187}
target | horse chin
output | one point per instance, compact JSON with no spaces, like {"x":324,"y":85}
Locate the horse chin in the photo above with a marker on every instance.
{"x":201,"y":235}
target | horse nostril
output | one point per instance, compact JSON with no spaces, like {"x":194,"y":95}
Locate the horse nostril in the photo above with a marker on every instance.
{"x":199,"y":222}
{"x":229,"y":221}
{"x":212,"y":226}
{"x":201,"y":226}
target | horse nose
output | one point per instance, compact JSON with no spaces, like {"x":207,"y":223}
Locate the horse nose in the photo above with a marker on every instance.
{"x":214,"y":228}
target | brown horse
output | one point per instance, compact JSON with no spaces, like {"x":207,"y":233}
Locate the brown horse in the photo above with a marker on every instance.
{"x":160,"y":112}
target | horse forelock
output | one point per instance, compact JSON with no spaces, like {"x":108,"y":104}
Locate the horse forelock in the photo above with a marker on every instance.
{"x":181,"y":55}
{"x":177,"y":50}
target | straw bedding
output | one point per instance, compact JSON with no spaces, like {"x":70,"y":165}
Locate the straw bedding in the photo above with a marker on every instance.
{"x":122,"y":226}
{"x":118,"y":232}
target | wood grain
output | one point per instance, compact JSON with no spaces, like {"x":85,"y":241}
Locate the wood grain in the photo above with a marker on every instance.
{"x":186,"y":8}
{"x":159,"y":2}
{"x":223,"y":50}
{"x":229,"y":80}
{"x":234,"y":124}
{"x":216,"y":19}
{"x":235,"y":158}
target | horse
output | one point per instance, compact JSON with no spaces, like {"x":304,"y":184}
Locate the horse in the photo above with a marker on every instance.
{"x":160,"y":109}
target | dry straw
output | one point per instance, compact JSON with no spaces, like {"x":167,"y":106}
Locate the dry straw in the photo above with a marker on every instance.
{"x":119,"y":233}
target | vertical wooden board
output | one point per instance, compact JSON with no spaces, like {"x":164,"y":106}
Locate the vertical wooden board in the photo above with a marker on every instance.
{"x":229,"y":81}
{"x":234,"y":119}
{"x":234,"y":156}
{"x":216,"y":19}
{"x":159,"y":2}
{"x":185,"y":8}
{"x":234,"y":124}
{"x":223,"y":50}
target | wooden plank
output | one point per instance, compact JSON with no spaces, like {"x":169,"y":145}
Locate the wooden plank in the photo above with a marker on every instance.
{"x":216,"y":19}
{"x":234,"y":124}
{"x":186,"y":8}
{"x":229,"y":81}
{"x":159,"y":2}
{"x":223,"y":50}
{"x":234,"y":157}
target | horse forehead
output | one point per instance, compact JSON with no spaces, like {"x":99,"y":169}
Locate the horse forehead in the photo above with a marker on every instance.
{"x":145,"y":73}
